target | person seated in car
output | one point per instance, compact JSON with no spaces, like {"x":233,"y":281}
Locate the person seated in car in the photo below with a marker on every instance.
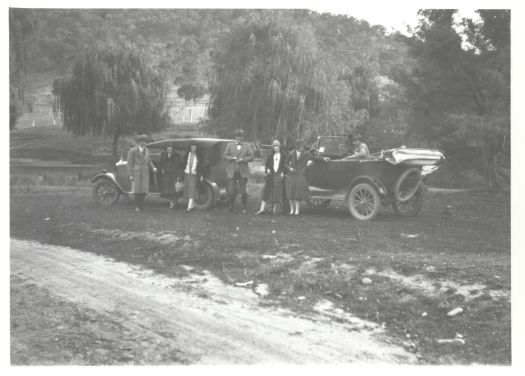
{"x":360,"y":149}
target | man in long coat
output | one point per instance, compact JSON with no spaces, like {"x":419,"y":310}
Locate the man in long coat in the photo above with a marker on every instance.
{"x":139,"y":163}
{"x":238,"y":154}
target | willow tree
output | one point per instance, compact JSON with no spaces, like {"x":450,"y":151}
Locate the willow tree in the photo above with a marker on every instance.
{"x":22,"y":30}
{"x":112,"y":91}
{"x":268,"y":78}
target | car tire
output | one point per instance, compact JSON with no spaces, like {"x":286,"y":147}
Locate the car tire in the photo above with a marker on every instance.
{"x":205,"y":199}
{"x":409,"y":208}
{"x":402,"y":193}
{"x":105,"y":192}
{"x":363,"y":202}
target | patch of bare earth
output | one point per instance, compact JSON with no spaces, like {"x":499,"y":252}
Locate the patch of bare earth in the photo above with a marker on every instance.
{"x":193,"y":320}
{"x":419,"y":268}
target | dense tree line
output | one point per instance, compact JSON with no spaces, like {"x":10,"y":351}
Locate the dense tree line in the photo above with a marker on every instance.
{"x":297,"y":73}
{"x":459,"y":88}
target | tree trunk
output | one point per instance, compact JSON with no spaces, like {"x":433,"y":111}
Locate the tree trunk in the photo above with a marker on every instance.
{"x":115,"y":156}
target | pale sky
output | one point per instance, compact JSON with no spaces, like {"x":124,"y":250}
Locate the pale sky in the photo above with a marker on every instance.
{"x":391,"y":16}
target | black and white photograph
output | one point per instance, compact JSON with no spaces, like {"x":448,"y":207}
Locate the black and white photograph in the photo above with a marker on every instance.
{"x":303,"y":183}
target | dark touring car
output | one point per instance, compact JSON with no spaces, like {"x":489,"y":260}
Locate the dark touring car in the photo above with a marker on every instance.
{"x":391,"y":178}
{"x":108,"y":186}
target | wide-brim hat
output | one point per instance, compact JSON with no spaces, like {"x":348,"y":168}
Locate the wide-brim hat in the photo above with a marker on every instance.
{"x":276,"y":143}
{"x":300,"y":142}
{"x":142,"y":137}
{"x":239,"y":133}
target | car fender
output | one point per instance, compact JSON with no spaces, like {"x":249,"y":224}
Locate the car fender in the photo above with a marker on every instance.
{"x":216,"y":190}
{"x":379,"y":186}
{"x":109,"y":176}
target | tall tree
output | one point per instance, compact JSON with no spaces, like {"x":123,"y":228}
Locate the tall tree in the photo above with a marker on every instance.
{"x":268,"y":77}
{"x":22,"y":29}
{"x":112,"y":92}
{"x":460,"y":87}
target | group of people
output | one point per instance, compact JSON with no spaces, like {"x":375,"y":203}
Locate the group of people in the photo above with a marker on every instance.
{"x":172,"y":167}
{"x":284,"y":174}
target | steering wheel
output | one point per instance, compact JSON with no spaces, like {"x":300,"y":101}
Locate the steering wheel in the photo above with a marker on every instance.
{"x":343,"y":148}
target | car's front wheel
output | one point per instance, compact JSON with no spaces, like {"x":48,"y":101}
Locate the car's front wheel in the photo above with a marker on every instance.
{"x":205,"y":199}
{"x":363,"y":202}
{"x":105,"y":192}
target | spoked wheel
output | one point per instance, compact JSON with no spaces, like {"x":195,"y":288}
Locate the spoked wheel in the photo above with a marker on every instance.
{"x":105,"y":192}
{"x":411,"y":207}
{"x":318,"y":203}
{"x":205,"y":199}
{"x":363,"y":202}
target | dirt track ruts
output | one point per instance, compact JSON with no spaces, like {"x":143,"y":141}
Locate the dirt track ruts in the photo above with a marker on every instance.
{"x":232,"y":329}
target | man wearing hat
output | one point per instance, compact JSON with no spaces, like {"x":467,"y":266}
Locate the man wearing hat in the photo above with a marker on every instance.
{"x":238,"y":154}
{"x":139,"y":163}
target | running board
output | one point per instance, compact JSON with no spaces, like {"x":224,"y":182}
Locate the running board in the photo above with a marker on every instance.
{"x":326,"y":194}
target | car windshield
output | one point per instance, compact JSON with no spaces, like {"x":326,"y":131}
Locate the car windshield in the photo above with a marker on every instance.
{"x":332,"y":146}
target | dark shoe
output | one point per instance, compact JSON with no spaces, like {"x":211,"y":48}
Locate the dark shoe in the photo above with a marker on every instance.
{"x":260,"y":212}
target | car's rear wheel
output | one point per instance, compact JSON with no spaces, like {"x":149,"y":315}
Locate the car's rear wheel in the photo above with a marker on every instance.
{"x":205,"y":199}
{"x":411,"y":207}
{"x":105,"y":192}
{"x":363,"y":202}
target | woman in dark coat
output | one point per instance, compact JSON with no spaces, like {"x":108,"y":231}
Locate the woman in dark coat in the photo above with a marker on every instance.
{"x":171,"y":169}
{"x":194,"y":167}
{"x":296,"y":185}
{"x":273,"y":190}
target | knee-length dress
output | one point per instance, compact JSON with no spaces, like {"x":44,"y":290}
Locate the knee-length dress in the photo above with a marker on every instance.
{"x":273,"y":190}
{"x":194,"y":169}
{"x":296,"y":185}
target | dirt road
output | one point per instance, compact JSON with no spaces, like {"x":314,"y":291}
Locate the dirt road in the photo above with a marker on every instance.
{"x":199,"y":317}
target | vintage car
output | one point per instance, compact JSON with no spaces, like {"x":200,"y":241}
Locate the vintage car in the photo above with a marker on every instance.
{"x":390,"y":178}
{"x":108,"y":186}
